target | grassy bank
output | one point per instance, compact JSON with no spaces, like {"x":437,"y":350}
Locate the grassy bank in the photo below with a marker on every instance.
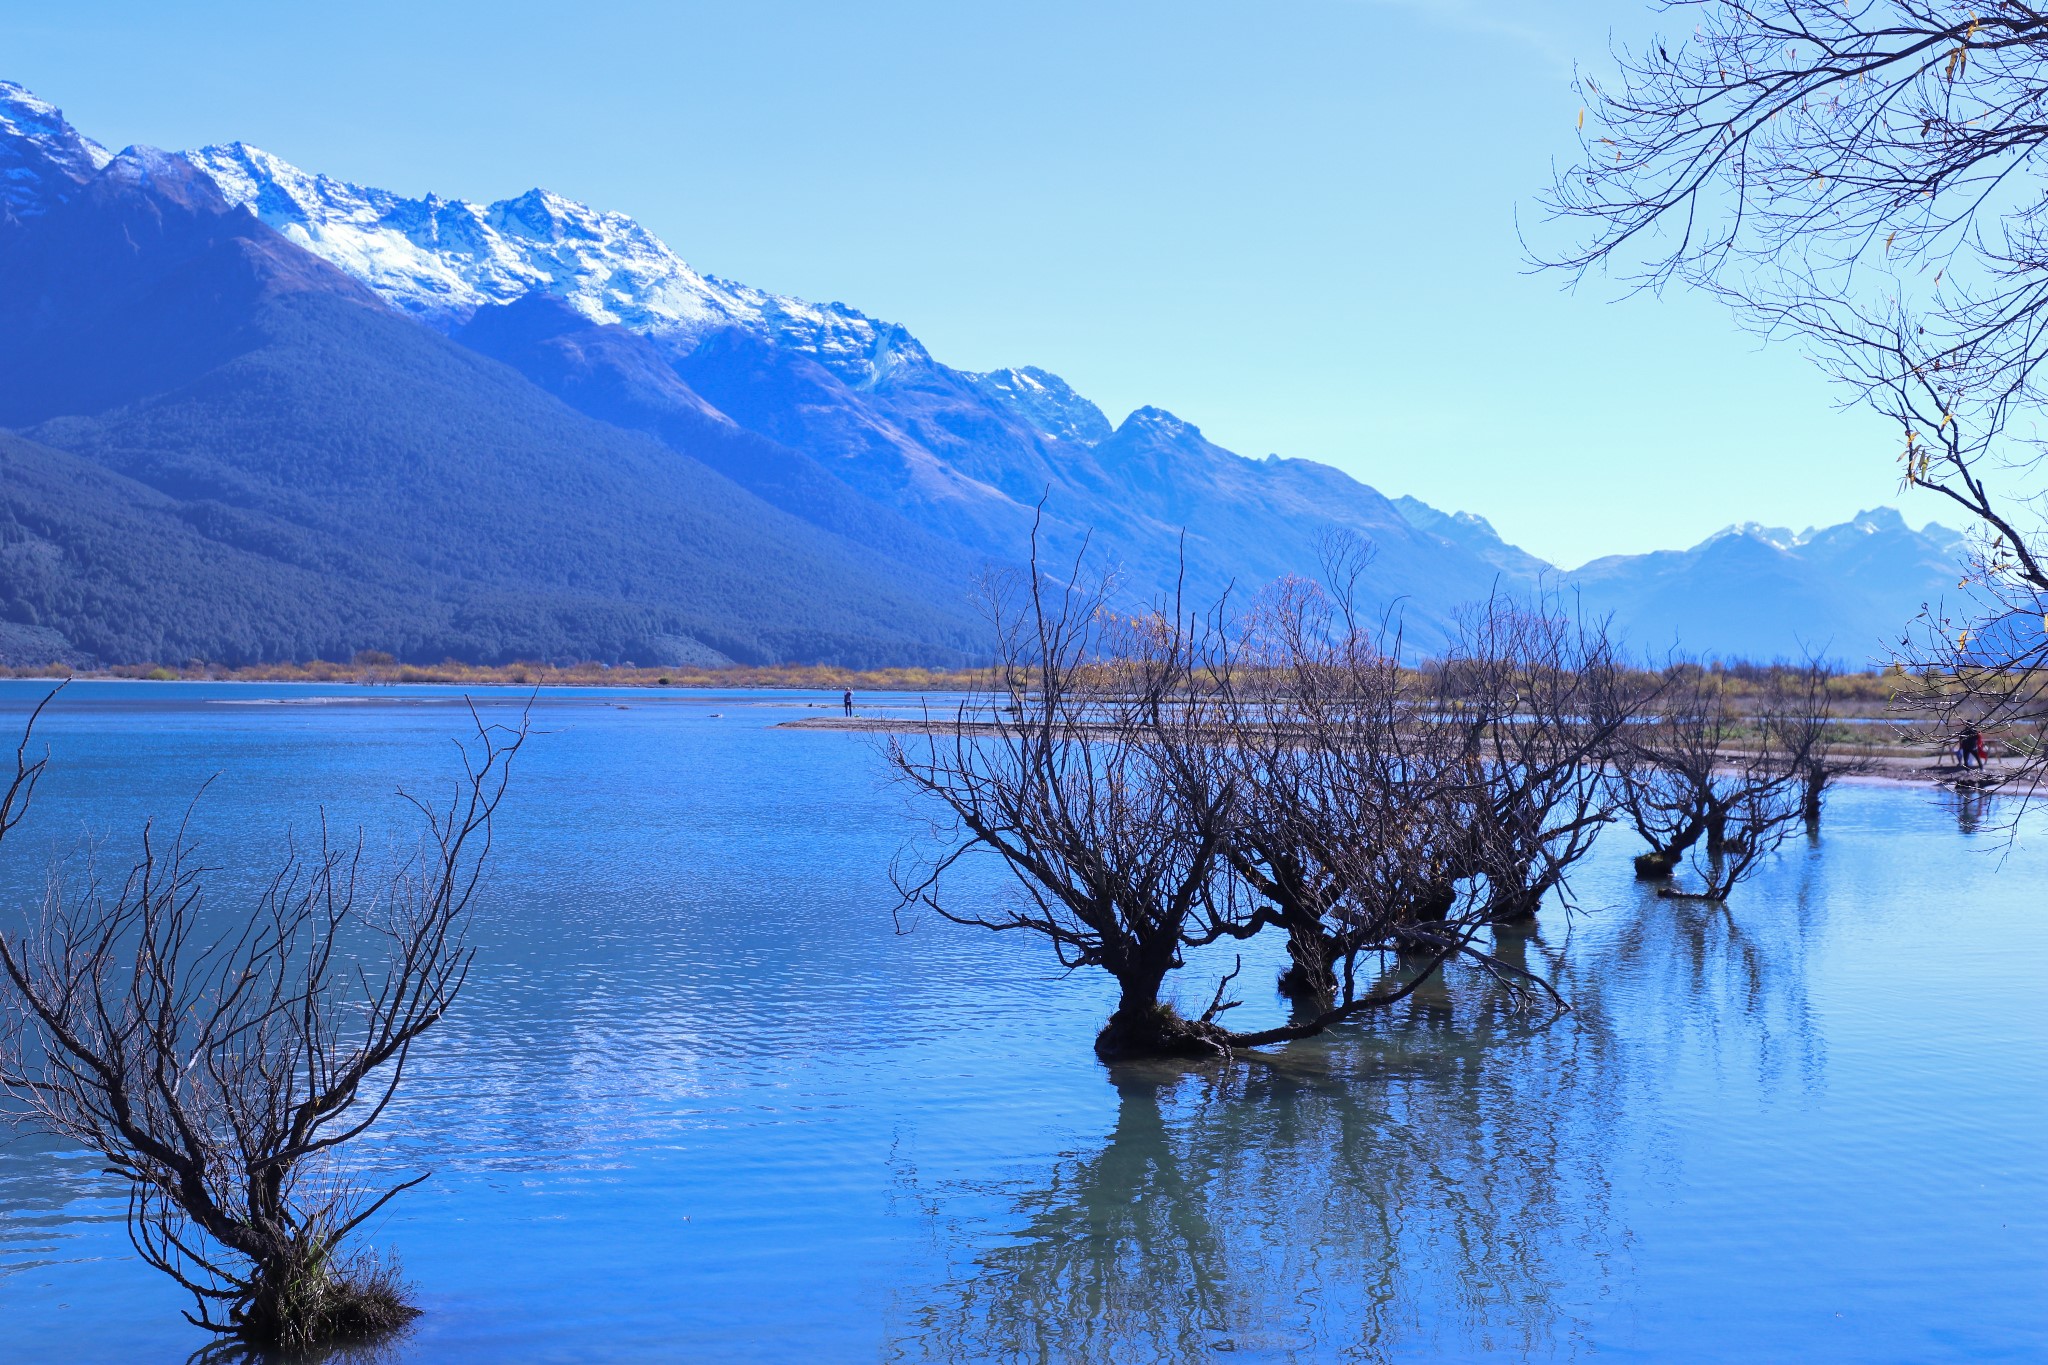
{"x":384,"y":672}
{"x":1865,"y":693}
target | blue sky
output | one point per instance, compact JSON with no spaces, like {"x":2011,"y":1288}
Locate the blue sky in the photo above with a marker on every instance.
{"x":1293,"y":224}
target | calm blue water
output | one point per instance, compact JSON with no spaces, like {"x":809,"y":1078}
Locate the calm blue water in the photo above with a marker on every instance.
{"x":703,"y":1102}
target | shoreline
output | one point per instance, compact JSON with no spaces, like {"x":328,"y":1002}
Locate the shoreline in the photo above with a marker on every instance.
{"x":1859,"y":696}
{"x":909,"y":681}
{"x":1916,"y":768}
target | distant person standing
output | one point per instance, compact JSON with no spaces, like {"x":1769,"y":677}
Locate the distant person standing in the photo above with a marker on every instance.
{"x":847,"y":701}
{"x":1969,"y":747}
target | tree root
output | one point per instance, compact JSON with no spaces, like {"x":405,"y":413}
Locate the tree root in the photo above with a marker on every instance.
{"x":1655,"y":867}
{"x":1160,"y":1032}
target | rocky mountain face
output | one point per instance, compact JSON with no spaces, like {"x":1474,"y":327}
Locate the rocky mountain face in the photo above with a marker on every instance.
{"x":965,"y":458}
{"x":43,"y":160}
{"x":531,"y":428}
{"x":440,"y":260}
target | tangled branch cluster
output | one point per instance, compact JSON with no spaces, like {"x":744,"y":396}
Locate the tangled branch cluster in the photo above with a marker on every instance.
{"x":1865,"y":178}
{"x":1161,"y":783}
{"x":219,"y":1064}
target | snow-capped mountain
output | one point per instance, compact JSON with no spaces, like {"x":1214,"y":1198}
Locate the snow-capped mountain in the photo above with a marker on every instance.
{"x":255,"y":409}
{"x":1760,"y":592}
{"x":970,"y":455}
{"x":1048,"y":404}
{"x":1875,"y":522}
{"x":41,"y":155}
{"x":440,"y":260}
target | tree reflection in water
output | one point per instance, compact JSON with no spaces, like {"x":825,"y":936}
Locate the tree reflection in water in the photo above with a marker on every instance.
{"x":1438,"y":1183}
{"x":389,"y":1349}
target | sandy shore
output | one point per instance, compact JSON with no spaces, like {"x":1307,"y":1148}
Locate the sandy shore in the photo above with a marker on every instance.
{"x":1917,"y":767}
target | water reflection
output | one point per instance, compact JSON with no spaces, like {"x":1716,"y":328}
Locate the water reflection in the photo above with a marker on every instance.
{"x":1723,"y":984}
{"x":1971,"y":805}
{"x":1439,"y":1182}
{"x":1388,"y":1192}
{"x":662,"y":1125}
{"x":385,"y":1350}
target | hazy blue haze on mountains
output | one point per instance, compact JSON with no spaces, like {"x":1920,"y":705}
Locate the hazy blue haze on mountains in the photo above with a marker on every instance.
{"x":619,"y":377}
{"x":1847,"y":591}
{"x":742,"y":476}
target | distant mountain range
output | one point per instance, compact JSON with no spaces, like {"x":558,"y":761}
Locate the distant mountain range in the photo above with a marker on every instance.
{"x":255,"y":414}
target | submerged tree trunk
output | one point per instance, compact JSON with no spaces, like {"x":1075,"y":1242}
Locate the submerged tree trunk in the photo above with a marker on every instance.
{"x":1311,"y":975}
{"x":267,"y":1316}
{"x":1817,"y":779}
{"x":1717,"y":830}
{"x":1157,"y":1031}
{"x":1144,"y":1026}
{"x":1659,"y":863}
{"x":1516,"y":906}
{"x":1656,"y":865}
{"x":1427,"y":913}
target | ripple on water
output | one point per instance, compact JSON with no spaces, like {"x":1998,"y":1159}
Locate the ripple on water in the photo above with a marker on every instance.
{"x":703,"y":1101}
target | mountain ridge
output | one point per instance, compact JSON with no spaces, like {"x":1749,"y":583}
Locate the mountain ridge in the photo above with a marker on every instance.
{"x":257,"y":415}
{"x":841,"y":428}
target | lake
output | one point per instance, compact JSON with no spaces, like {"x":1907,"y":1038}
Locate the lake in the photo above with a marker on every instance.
{"x":702,"y":1100}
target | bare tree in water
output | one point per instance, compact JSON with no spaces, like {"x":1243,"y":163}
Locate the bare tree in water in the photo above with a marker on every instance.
{"x":1113,"y":861}
{"x":1135,"y":789}
{"x":1799,"y":703}
{"x":1369,"y":823}
{"x":220,"y":1075}
{"x":1534,"y":697}
{"x":1866,"y":179}
{"x":1706,"y":778}
{"x":1306,"y":702}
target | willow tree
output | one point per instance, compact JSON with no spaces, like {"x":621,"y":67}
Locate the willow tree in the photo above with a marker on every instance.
{"x":1104,"y":777}
{"x":1866,"y":179}
{"x":1114,"y":858}
{"x":1720,"y":779}
{"x":221,"y":1063}
{"x":1331,"y":839}
{"x":1535,"y":698}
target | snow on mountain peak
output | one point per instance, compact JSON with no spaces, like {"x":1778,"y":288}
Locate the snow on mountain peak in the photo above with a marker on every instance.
{"x":1879,"y":519}
{"x":39,"y":152}
{"x":1777,"y":537}
{"x":1048,"y":403}
{"x":24,"y":114}
{"x":1160,"y":422}
{"x":149,"y":166}
{"x":442,"y":259}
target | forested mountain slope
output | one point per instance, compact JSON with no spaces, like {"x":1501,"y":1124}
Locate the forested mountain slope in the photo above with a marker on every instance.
{"x":327,"y":418}
{"x":302,"y":432}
